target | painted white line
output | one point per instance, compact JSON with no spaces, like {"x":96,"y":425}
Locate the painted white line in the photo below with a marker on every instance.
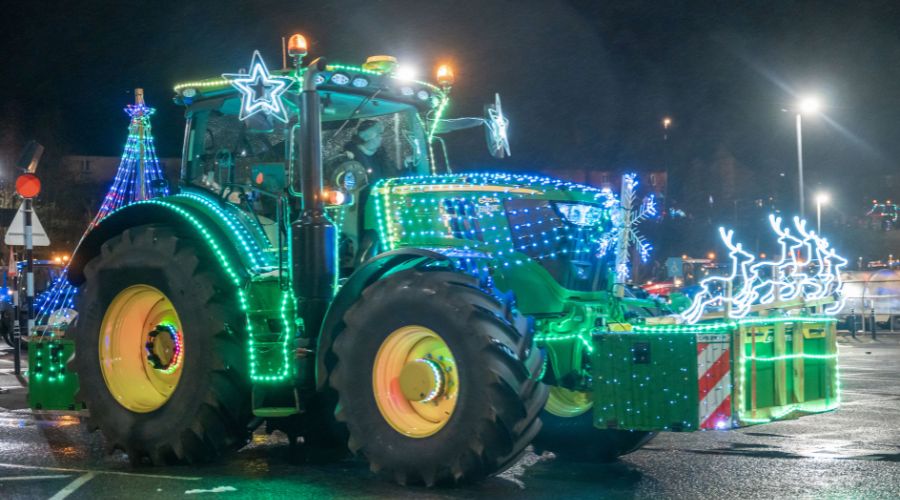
{"x":34,"y":478}
{"x":74,"y":485}
{"x":114,"y":473}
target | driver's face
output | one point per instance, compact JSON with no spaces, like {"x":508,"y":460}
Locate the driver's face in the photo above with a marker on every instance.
{"x":374,"y":143}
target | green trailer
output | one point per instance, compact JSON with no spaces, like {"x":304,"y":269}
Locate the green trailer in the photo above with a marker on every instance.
{"x":320,"y":270}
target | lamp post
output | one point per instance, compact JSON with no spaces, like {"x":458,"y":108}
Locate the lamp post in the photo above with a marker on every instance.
{"x":807,"y":105}
{"x":821,"y":199}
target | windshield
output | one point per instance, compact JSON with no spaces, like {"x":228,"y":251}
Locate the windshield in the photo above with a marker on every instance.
{"x":223,"y":151}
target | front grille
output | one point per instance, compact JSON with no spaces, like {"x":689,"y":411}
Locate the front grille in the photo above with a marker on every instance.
{"x":574,"y":255}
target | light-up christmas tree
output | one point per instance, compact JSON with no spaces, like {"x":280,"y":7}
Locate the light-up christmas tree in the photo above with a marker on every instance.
{"x":138,"y":177}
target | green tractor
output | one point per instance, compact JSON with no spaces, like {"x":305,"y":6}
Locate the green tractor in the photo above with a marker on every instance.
{"x":321,"y":271}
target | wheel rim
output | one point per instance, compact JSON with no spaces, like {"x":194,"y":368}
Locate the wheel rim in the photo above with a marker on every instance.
{"x":415,"y":381}
{"x":567,"y":404}
{"x":141,"y":348}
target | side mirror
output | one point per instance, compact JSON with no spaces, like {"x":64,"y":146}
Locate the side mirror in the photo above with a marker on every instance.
{"x":495,"y":129}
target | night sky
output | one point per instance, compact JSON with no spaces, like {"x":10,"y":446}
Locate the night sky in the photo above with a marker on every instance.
{"x":584,"y":83}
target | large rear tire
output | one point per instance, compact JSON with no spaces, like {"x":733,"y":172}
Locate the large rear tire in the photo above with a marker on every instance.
{"x":435,"y":383}
{"x":569,"y":431}
{"x":184,"y":396}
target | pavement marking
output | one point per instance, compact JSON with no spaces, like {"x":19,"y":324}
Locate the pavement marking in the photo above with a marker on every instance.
{"x":32,"y":478}
{"x":111,"y":472}
{"x":74,"y":485}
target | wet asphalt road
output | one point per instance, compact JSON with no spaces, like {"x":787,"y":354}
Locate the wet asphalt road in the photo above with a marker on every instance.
{"x":853,"y":453}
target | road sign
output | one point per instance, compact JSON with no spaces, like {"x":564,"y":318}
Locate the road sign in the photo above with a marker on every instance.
{"x":15,"y":235}
{"x":28,"y":185}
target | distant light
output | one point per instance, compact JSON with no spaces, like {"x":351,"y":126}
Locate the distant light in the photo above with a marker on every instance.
{"x":762,"y":255}
{"x":405,"y":72}
{"x":666,"y":122}
{"x":809,"y":105}
{"x":711,"y":255}
{"x":822,"y":198}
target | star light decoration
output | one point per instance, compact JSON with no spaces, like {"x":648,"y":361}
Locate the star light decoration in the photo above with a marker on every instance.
{"x":260,"y":91}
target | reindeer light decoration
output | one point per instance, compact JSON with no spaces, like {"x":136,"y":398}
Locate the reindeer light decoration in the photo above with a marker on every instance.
{"x":719,"y":290}
{"x":788,"y":278}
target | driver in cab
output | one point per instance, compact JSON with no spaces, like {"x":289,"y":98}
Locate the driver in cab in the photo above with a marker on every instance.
{"x":365,"y":148}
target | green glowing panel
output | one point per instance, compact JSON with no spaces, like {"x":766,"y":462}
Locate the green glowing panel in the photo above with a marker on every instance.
{"x":645,"y":381}
{"x":786,"y":370}
{"x":50,"y":385}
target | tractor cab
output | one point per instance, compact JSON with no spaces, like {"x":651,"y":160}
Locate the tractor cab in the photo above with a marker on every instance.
{"x":370,"y":117}
{"x":375,"y":125}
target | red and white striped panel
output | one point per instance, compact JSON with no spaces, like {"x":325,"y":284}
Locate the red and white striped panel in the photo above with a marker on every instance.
{"x":714,"y":380}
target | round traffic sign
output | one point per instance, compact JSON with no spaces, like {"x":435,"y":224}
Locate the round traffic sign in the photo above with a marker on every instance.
{"x":28,"y":185}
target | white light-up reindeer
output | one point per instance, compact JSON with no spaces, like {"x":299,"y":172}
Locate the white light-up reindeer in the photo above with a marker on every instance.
{"x":811,"y":286}
{"x":719,"y":290}
{"x":836,"y":264}
{"x":791,"y":276}
{"x":767,"y":275}
{"x":791,"y":270}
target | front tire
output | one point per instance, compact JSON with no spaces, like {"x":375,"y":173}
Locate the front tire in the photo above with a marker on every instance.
{"x":157,"y":350}
{"x":435,"y":384}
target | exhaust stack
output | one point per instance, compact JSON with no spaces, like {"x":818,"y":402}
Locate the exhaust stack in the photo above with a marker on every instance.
{"x":313,"y":259}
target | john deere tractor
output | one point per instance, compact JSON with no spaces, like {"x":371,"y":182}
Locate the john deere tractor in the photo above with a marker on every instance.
{"x":320,"y":270}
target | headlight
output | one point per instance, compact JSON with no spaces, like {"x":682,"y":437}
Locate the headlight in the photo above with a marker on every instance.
{"x":581,"y":214}
{"x":340,"y":79}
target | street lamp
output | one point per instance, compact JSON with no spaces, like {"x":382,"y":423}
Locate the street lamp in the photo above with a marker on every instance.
{"x":807,"y":105}
{"x":821,"y":199}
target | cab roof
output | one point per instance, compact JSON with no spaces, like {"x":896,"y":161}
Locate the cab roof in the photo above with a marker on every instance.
{"x":337,"y":79}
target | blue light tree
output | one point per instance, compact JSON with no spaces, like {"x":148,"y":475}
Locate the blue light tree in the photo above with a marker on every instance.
{"x":138,"y":177}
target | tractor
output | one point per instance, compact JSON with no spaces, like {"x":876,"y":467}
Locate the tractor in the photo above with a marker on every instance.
{"x":320,"y":270}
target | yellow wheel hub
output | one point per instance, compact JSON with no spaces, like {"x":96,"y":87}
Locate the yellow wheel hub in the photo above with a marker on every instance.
{"x":415,"y":381}
{"x":567,"y":404}
{"x":141,"y":348}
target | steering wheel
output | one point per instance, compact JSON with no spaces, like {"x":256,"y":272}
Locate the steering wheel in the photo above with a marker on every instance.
{"x":349,"y":175}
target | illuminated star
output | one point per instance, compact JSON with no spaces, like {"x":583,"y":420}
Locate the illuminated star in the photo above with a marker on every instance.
{"x":260,"y":91}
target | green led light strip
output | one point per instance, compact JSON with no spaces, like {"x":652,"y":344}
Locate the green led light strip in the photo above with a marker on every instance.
{"x":236,"y":281}
{"x":581,"y":337}
{"x":212,"y":82}
{"x":791,"y":356}
{"x":724,"y":326}
{"x":249,"y":244}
